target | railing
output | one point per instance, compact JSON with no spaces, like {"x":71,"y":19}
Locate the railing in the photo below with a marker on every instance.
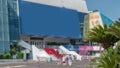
{"x":25,"y":45}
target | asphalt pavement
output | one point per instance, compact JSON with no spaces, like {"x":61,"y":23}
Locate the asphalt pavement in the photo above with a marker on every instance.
{"x":33,"y":64}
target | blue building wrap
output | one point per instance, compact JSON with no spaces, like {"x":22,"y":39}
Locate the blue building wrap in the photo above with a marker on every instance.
{"x":39,"y":19}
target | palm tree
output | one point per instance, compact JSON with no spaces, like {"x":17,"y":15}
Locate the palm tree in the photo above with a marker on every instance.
{"x":98,"y":34}
{"x":115,"y":29}
{"x":108,"y":59}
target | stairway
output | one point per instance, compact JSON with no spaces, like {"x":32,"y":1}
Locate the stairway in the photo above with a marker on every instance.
{"x":66,"y":51}
{"x":51,"y":51}
{"x":25,"y":45}
{"x":39,"y":53}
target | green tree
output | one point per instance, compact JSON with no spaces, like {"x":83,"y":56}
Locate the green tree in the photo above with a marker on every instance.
{"x":108,"y":59}
{"x":12,"y":52}
{"x":117,"y":51}
{"x":115,"y":29}
{"x":15,"y":48}
{"x":98,"y":34}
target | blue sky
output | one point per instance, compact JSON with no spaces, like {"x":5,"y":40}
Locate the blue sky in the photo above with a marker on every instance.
{"x":110,"y":8}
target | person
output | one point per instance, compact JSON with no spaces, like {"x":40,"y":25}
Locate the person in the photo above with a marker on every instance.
{"x":64,"y":61}
{"x":59,"y":60}
{"x":74,"y":58}
{"x":70,"y":58}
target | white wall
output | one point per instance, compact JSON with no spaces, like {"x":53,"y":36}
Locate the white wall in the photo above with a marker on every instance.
{"x":97,"y":48}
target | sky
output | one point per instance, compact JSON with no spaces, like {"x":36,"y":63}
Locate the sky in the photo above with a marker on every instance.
{"x":110,"y":8}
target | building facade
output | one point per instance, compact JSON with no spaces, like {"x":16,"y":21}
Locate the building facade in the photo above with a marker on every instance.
{"x":63,"y":18}
{"x":93,"y":19}
{"x":48,"y":41}
{"x":9,"y":24}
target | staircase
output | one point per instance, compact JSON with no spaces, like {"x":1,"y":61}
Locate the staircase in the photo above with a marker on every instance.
{"x":51,"y":51}
{"x":66,"y":51}
{"x":25,"y":45}
{"x":39,"y":53}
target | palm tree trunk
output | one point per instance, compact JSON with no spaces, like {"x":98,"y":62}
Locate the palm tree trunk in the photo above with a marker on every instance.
{"x":100,"y":51}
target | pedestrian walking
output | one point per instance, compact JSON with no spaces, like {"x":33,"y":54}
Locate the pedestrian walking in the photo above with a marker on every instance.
{"x":70,"y":58}
{"x":64,"y":60}
{"x":59,"y":60}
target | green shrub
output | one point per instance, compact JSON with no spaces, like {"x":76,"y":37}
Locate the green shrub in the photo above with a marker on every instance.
{"x":20,"y":55}
{"x":1,"y":56}
{"x":12,"y":51}
{"x":7,"y":56}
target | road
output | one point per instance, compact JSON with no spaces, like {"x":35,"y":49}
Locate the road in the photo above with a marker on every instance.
{"x":33,"y":64}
